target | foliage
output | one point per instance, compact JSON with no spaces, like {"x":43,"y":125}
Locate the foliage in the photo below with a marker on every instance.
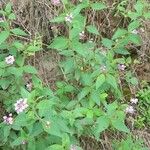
{"x":143,"y":118}
{"x":90,"y":98}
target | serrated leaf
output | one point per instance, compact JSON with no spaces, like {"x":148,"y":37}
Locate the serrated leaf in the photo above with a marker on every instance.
{"x":136,"y":39}
{"x":102,"y":124}
{"x":107,"y":42}
{"x":44,"y":107}
{"x":111,"y":80}
{"x":84,"y":92}
{"x":33,"y":48}
{"x":3,"y":36}
{"x":119,"y":125}
{"x":18,"y":141}
{"x":12,"y":16}
{"x":133,"y":25}
{"x":100,"y":80}
{"x":29,"y":69}
{"x":119,"y":33}
{"x":98,"y":6}
{"x":122,"y":51}
{"x":59,"y":43}
{"x":92,"y":29}
{"x":8,"y":8}
{"x":18,"y":31}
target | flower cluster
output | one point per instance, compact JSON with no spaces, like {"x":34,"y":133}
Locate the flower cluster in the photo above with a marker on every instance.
{"x":8,"y":119}
{"x":134,"y":100}
{"x":130,"y":109}
{"x":55,"y":2}
{"x":21,"y":105}
{"x":9,"y":60}
{"x":69,"y":18}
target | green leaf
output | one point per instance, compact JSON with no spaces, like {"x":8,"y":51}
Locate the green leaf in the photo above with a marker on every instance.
{"x":3,"y":36}
{"x":118,"y":121}
{"x":107,"y":42}
{"x":59,"y":43}
{"x":139,"y":6}
{"x":84,"y":92}
{"x":58,"y":19}
{"x":111,"y":80}
{"x":18,"y":141}
{"x":12,"y":16}
{"x":29,"y":69}
{"x":8,"y":8}
{"x":92,"y":29}
{"x":80,"y":48}
{"x":102,"y":124}
{"x":18,"y":31}
{"x":18,"y":72}
{"x":33,"y":48}
{"x":122,"y":51}
{"x":100,"y":80}
{"x":119,"y":125}
{"x":135,"y":39}
{"x":95,"y":96}
{"x":55,"y":147}
{"x":98,"y":6}
{"x":6,"y":131}
{"x":133,"y":25}
{"x":119,"y":33}
{"x":44,"y":107}
{"x":147,"y":15}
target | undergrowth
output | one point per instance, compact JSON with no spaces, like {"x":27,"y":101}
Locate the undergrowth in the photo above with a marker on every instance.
{"x":94,"y":95}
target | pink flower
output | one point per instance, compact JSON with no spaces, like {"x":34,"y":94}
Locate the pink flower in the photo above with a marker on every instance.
{"x":69,"y":18}
{"x":55,"y":2}
{"x":130,"y":110}
{"x":9,"y":60}
{"x":21,"y":105}
{"x":1,"y":19}
{"x":121,"y":67}
{"x":8,"y":119}
{"x":134,"y":100}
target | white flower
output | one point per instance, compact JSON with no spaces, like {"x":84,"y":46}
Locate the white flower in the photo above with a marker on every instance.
{"x":69,"y":18}
{"x":73,"y":147}
{"x":103,"y":68}
{"x":29,"y":86}
{"x":82,"y":35}
{"x":134,"y":100}
{"x":21,"y":105}
{"x":134,"y":31}
{"x":121,"y":67}
{"x":130,"y":110}
{"x":9,"y":60}
{"x":8,"y":119}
